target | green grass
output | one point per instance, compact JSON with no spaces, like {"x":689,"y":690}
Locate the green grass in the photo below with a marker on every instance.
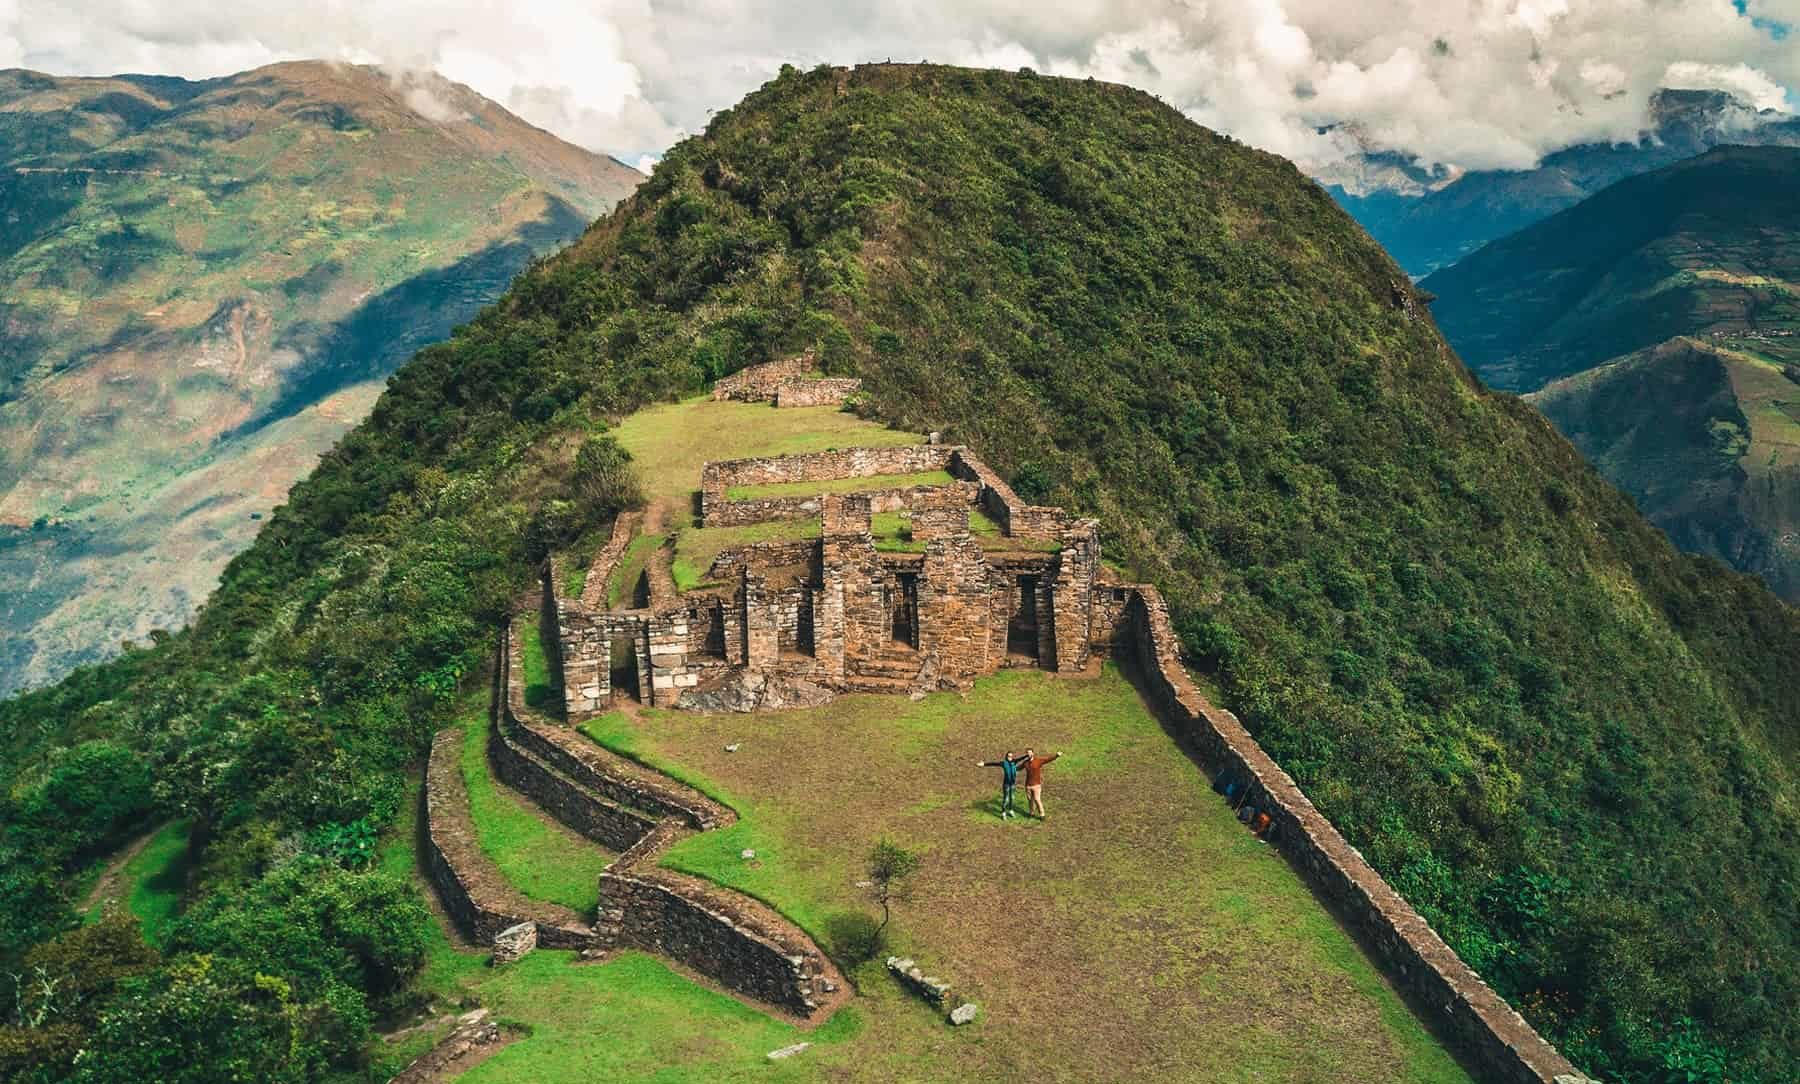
{"x":540,"y":684}
{"x":670,"y":442}
{"x":696,"y":548}
{"x":158,"y":874}
{"x":1181,"y":896}
{"x":632,"y":565}
{"x":542,"y":862}
{"x":154,"y":879}
{"x":840,"y":485}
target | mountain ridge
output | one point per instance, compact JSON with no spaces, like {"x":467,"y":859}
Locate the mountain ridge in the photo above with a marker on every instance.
{"x":1568,"y":745}
{"x":190,"y":263}
{"x":1429,"y":221}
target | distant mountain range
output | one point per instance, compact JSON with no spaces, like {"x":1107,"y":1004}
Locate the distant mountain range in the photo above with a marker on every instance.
{"x":1428,"y":220}
{"x":202,"y":285}
{"x":1657,"y":324}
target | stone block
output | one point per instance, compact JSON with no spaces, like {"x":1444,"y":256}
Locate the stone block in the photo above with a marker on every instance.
{"x":512,"y":943}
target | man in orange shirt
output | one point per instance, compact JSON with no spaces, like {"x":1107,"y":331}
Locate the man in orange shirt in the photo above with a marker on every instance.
{"x":1034,"y":781}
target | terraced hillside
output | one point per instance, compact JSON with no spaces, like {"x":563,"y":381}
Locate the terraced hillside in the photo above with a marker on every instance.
{"x":1658,"y":325}
{"x":202,"y":286}
{"x":1569,"y":746}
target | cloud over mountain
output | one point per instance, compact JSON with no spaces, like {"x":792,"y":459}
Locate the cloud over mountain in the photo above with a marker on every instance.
{"x":1465,"y":83}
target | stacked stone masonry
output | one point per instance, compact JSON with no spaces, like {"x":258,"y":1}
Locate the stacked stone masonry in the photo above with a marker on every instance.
{"x":727,"y":937}
{"x":1493,"y":1038}
{"x":845,"y":614}
{"x":838,"y":612}
{"x":789,"y":382}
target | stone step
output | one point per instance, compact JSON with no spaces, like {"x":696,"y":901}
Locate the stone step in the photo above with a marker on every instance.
{"x":879,"y":684}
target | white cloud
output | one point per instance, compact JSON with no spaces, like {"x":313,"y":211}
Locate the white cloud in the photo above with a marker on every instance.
{"x":1461,"y":83}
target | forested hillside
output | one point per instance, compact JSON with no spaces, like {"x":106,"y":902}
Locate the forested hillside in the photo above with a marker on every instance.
{"x":1569,"y":745}
{"x":1658,"y":325}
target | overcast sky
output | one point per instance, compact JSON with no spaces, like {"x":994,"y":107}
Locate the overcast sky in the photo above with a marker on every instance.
{"x":1466,"y":83}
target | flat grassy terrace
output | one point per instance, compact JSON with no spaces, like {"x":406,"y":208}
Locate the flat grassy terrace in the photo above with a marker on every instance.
{"x":864,"y":484}
{"x":669,"y":443}
{"x":1139,"y":933}
{"x":541,"y":858}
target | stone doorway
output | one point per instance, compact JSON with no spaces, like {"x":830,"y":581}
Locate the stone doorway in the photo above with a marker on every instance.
{"x":624,"y":667}
{"x":1022,"y":626}
{"x":906,"y":610}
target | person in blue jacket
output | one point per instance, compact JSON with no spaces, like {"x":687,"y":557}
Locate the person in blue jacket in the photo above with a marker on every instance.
{"x":1009,"y":777}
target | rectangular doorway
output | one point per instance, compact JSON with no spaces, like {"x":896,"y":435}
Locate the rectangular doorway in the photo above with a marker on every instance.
{"x":1022,"y":626}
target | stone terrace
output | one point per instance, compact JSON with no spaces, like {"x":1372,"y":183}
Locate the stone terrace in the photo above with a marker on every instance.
{"x":795,"y":622}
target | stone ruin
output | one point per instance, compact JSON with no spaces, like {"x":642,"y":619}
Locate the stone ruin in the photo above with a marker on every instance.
{"x":790,"y":382}
{"x":791,"y":623}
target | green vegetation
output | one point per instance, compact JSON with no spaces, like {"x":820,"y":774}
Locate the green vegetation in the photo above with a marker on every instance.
{"x":227,"y":270}
{"x":840,"y":485}
{"x":1231,"y":921}
{"x":541,"y":859}
{"x":540,"y":683}
{"x":1651,"y":323}
{"x":157,"y":874}
{"x":1705,"y":246}
{"x":1568,"y":744}
{"x":622,"y":585}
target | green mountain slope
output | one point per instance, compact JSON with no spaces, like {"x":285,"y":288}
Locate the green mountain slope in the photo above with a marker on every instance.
{"x":1708,"y":441}
{"x":1701,"y":430}
{"x":1702,"y":247}
{"x":1571,"y":746}
{"x":202,"y":285}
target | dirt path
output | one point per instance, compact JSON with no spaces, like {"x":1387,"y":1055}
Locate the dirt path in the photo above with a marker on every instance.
{"x":660,"y":567}
{"x":108,"y":886}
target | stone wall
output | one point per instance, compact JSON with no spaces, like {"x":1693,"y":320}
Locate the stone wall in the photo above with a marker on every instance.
{"x":758,"y":383}
{"x":730,"y":938}
{"x":1492,"y":1038}
{"x":718,"y":478}
{"x":473,"y":893}
{"x":1001,"y":504}
{"x":612,"y":826}
{"x":600,"y":569}
{"x":827,"y":391}
{"x":640,"y":910}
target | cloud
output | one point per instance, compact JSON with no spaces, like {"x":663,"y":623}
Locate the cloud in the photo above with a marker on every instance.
{"x":1459,"y":83}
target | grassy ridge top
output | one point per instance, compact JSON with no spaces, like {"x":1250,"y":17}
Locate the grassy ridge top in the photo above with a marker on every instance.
{"x":1570,"y":746}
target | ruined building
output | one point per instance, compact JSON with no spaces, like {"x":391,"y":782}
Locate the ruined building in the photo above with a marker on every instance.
{"x":961,"y":579}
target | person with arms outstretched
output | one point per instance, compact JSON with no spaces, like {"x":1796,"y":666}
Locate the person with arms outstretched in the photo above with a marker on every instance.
{"x":1034,"y":781}
{"x":1009,"y":776}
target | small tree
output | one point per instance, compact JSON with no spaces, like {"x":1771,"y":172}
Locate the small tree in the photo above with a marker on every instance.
{"x":891,"y":867}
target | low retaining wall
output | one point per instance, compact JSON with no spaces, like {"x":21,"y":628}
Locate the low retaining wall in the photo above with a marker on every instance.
{"x":824,"y":391}
{"x":642,"y":912}
{"x":731,"y":939}
{"x":610,"y":825}
{"x":758,"y":383}
{"x":464,"y":878}
{"x":572,"y":756}
{"x":1002,"y":505}
{"x":600,"y":569}
{"x":1493,"y":1038}
{"x":717,"y":478}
